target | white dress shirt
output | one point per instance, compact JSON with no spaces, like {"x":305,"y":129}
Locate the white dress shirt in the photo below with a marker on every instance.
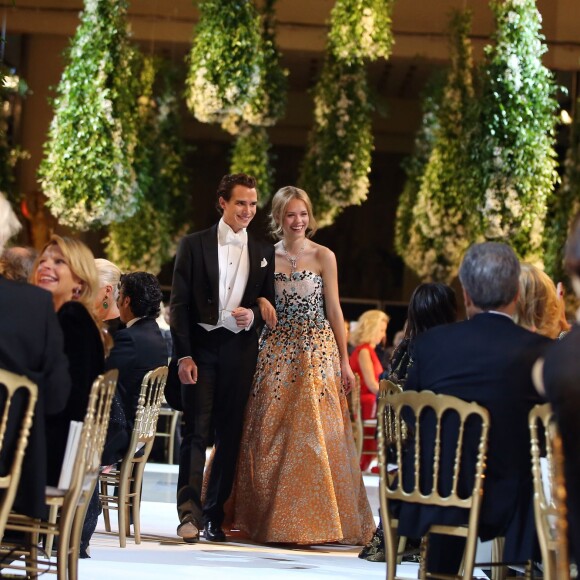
{"x":234,"y":269}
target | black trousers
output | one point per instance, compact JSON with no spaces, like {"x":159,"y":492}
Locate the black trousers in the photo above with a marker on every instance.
{"x":214,"y":410}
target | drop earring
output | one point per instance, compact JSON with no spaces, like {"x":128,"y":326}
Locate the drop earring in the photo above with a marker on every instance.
{"x":105,"y":302}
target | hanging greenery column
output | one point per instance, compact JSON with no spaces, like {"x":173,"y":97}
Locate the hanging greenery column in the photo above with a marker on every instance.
{"x":564,"y":205}
{"x":87,"y":171}
{"x":338,"y":156}
{"x":148,"y":239}
{"x":442,"y":226}
{"x":512,"y":151}
{"x":252,"y":148}
{"x":414,"y":166}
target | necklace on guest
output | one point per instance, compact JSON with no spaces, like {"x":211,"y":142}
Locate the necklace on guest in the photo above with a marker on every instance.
{"x":293,"y":259}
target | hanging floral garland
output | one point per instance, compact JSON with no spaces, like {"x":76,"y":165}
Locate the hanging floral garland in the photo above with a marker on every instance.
{"x":251,"y":154}
{"x":87,"y":171}
{"x":443,"y":223}
{"x":415,"y":165}
{"x":564,"y":205}
{"x":512,"y":153}
{"x":230,"y":65}
{"x":338,"y":156}
{"x":148,"y":239}
{"x":361,"y":30}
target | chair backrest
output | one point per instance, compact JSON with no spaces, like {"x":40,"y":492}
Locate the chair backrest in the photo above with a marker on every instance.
{"x":549,"y":490}
{"x":387,"y":387}
{"x":18,"y":397}
{"x":150,"y":399}
{"x":93,"y":434}
{"x":445,"y":448}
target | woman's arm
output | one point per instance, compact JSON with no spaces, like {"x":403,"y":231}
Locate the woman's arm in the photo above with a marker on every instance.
{"x":334,"y":312}
{"x":368,"y":370}
{"x":267,"y":311}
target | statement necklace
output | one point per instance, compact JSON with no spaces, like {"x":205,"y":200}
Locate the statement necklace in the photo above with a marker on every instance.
{"x":293,"y":259}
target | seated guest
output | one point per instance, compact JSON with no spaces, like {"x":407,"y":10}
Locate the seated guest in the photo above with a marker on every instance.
{"x":431,"y":304}
{"x":31,"y":344}
{"x":561,"y":372}
{"x":106,"y":309}
{"x":539,"y":308}
{"x":66,"y":268}
{"x":139,"y":348}
{"x":16,"y":263}
{"x":486,"y":359}
{"x":370,"y":330}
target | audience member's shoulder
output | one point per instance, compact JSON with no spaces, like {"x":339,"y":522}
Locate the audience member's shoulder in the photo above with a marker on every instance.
{"x":567,"y":348}
{"x":441,"y":332}
{"x":74,"y":311}
{"x":27,"y":291}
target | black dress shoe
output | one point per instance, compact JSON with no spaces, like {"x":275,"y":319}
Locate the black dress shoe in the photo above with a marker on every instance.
{"x":213,"y":533}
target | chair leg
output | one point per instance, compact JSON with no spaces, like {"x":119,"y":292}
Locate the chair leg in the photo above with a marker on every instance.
{"x":173,"y":427}
{"x":123,"y":500}
{"x":401,"y":548}
{"x":52,"y":515}
{"x":423,"y":557}
{"x":106,"y":517}
{"x":390,"y":533}
{"x":498,"y":572}
{"x":136,"y":493}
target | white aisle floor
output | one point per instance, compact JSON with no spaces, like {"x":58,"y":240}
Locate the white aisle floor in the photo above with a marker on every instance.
{"x":162,"y":554}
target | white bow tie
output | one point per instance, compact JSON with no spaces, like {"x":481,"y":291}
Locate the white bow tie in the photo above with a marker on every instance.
{"x":234,"y":239}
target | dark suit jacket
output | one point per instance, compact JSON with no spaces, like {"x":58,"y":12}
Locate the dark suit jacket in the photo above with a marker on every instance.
{"x":562,"y":382}
{"x":195,"y":291}
{"x":137,"y":350}
{"x":487,"y":359}
{"x":86,"y":356}
{"x":31,"y":344}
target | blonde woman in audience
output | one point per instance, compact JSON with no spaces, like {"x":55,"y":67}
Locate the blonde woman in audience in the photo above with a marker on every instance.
{"x":106,"y":308}
{"x":66,"y":268}
{"x":370,"y":330}
{"x":539,"y":307}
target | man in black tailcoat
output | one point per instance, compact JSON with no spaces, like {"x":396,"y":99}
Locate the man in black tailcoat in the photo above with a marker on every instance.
{"x":219,"y":274}
{"x":487,"y":359}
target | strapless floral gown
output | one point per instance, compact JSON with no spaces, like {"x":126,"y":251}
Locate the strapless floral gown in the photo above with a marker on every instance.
{"x":298,"y":478}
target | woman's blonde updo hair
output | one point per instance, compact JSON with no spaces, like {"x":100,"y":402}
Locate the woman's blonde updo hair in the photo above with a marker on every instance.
{"x":109,"y":275}
{"x":81,"y":263}
{"x":539,"y":308}
{"x":280,"y":202}
{"x":367,"y":327}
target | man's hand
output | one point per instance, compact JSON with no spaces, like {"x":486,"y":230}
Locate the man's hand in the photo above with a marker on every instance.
{"x":243,"y":316}
{"x":187,"y":371}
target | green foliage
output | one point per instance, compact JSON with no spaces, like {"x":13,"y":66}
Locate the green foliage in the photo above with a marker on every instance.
{"x":87,"y":171}
{"x":234,"y":76}
{"x":360,"y":29}
{"x":564,"y":205}
{"x":442,"y":225}
{"x":148,"y":239}
{"x":338,"y":157}
{"x":512,"y":156}
{"x":11,"y":87}
{"x":415,"y":165}
{"x":251,"y":155}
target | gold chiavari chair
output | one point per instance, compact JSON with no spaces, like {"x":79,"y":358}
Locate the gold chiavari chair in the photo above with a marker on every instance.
{"x":15,"y":423}
{"x":71,"y":503}
{"x":549,"y":494}
{"x":128,"y":477}
{"x":416,"y":406}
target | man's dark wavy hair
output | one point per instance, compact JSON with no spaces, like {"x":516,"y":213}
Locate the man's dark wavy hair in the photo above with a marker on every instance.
{"x":228,"y":183}
{"x":145,"y":293}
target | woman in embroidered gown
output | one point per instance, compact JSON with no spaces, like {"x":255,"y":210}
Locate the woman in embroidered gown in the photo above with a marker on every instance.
{"x":298,"y":479}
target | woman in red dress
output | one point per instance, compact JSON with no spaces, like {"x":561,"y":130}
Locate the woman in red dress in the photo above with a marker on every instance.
{"x":370,"y":330}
